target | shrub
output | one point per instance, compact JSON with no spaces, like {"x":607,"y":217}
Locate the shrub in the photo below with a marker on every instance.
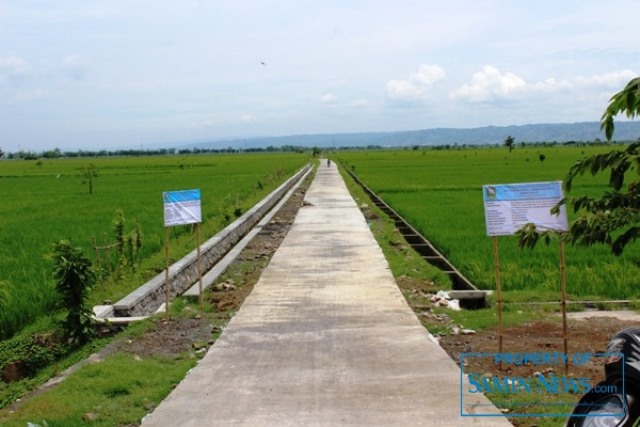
{"x":74,"y":275}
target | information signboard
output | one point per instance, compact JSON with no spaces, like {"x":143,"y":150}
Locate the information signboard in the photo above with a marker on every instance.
{"x":181,"y":207}
{"x":509,"y":207}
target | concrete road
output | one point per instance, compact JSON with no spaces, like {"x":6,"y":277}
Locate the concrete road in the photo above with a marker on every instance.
{"x":325,"y":339}
{"x":627,"y":315}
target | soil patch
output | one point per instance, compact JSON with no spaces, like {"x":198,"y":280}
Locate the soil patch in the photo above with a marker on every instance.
{"x":589,"y":335}
{"x":171,"y":337}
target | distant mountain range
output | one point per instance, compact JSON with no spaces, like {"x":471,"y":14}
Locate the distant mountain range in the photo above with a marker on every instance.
{"x":559,"y":132}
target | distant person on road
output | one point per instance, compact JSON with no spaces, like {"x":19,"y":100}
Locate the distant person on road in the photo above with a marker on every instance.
{"x":328,"y":162}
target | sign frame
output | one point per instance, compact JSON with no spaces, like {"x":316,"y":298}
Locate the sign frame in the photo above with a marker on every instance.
{"x":509,"y":207}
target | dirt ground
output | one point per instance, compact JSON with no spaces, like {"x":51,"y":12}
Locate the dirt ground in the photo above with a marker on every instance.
{"x":176,"y":336}
{"x":589,"y":335}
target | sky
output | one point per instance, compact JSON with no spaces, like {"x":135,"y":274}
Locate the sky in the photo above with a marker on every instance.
{"x":121,"y":74}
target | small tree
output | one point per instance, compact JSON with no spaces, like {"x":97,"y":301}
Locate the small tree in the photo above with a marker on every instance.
{"x":1,"y":153}
{"x":74,"y":276}
{"x":542,"y":157}
{"x":89,"y":173}
{"x":509,"y":142}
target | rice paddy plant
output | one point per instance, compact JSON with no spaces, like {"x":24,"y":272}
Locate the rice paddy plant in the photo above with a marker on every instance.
{"x":439,"y":192}
{"x":47,"y":203}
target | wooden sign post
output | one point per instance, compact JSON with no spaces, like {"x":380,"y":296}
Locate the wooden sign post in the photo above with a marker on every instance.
{"x":563,"y":290}
{"x":510,"y":207}
{"x":201,"y":297}
{"x":180,"y":208}
{"x":496,"y":265}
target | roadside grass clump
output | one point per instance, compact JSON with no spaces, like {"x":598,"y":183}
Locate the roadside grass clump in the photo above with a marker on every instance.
{"x":534,"y":402}
{"x":48,"y":203}
{"x":119,"y":390}
{"x":481,"y":319}
{"x":440,"y":193}
{"x":24,"y":356}
{"x":487,"y":318}
{"x":36,"y":354}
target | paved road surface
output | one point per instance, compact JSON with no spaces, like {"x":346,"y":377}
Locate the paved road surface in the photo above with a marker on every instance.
{"x":325,"y":339}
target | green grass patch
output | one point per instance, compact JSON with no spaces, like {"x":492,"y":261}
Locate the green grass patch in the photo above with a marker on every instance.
{"x":440,"y":193}
{"x":44,"y":361}
{"x":487,"y":318}
{"x":120,"y":390}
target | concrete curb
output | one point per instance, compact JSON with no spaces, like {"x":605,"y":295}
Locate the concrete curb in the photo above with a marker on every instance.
{"x":223,"y":264}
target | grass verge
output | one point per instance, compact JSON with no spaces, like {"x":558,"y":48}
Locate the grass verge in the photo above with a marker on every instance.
{"x":123,"y":380}
{"x":116,"y":391}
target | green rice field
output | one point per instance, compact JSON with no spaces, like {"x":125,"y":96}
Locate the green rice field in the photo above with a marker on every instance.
{"x":47,"y":200}
{"x":440,"y":193}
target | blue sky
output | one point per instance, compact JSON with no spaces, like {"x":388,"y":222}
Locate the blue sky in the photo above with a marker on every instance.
{"x":111,"y":74}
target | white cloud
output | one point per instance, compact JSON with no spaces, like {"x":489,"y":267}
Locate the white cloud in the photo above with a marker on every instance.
{"x":360,"y":103}
{"x":613,"y":80}
{"x":26,"y":96}
{"x":550,"y":85}
{"x":415,"y":87}
{"x":247,"y":118}
{"x":208,"y":122}
{"x":75,"y":66}
{"x":329,"y":98}
{"x":12,"y":67}
{"x":490,"y":84}
{"x":14,"y":88}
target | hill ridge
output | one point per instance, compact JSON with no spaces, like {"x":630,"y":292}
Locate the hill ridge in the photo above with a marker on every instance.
{"x":486,"y":135}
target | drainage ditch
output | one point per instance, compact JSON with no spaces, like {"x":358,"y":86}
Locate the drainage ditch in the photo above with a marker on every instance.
{"x":463,"y":289}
